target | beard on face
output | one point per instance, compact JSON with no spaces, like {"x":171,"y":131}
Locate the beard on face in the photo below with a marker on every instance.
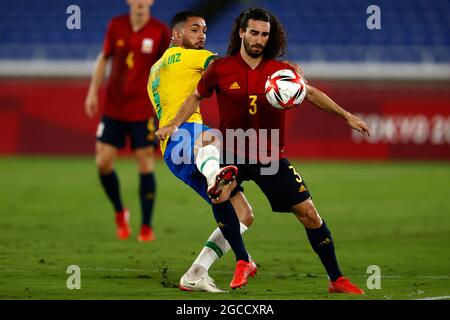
{"x":200,"y":45}
{"x":249,"y":49}
{"x":189,"y":45}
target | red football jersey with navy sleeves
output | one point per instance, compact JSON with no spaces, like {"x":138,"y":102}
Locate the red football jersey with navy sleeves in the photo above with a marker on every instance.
{"x":132,"y":54}
{"x":242,"y":103}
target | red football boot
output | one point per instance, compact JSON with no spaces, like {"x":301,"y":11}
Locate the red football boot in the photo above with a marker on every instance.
{"x":224,"y":176}
{"x":244,"y":269}
{"x":343,"y":285}
{"x":146,"y":233}
{"x":123,"y":225}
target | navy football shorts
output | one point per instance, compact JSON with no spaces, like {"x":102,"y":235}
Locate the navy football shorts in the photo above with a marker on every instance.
{"x":283,"y":189}
{"x":115,"y":132}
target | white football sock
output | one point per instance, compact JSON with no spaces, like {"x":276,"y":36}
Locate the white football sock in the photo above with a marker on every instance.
{"x":207,"y":161}
{"x":215,"y":247}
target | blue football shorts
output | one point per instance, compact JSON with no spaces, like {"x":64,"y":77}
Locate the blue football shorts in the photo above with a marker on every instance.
{"x":179,"y":157}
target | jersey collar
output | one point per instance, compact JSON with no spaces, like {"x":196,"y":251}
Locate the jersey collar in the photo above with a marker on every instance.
{"x":242,"y":62}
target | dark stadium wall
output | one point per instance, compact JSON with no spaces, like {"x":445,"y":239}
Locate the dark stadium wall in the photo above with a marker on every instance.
{"x":409,"y":120}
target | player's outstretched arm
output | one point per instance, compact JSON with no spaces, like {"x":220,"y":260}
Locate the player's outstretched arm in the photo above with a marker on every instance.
{"x":187,"y":109}
{"x":91,"y":102}
{"x":325,"y":103}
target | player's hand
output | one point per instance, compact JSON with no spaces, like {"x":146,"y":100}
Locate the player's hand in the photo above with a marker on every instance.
{"x":165,"y":132}
{"x":91,"y":105}
{"x":297,"y":68}
{"x":357,"y":124}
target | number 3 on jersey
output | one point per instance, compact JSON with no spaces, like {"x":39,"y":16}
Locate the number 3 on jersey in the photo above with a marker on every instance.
{"x":298,"y":178}
{"x":253,"y":107}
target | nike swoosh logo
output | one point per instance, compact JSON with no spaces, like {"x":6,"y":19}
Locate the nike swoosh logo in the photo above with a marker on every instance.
{"x":191,"y":283}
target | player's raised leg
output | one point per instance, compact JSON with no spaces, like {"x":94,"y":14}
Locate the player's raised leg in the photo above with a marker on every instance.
{"x":147,"y":189}
{"x":322,"y":243}
{"x":207,"y":160}
{"x":105,"y":155}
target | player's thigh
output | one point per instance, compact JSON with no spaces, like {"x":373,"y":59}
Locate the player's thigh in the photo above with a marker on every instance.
{"x":243,"y":208}
{"x":285,"y":188}
{"x":145,"y":158}
{"x":180,"y":159}
{"x":104,"y":156}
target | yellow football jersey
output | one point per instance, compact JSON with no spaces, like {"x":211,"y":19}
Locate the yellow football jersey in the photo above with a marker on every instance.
{"x":172,"y":79}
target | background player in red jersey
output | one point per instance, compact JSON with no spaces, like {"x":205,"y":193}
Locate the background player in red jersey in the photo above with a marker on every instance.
{"x":238,"y":80}
{"x":134,"y":42}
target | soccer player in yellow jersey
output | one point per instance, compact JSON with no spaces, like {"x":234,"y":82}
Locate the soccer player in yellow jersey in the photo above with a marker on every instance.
{"x":192,"y":152}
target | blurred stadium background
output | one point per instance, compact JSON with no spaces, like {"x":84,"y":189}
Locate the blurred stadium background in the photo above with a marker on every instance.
{"x":396,"y":78}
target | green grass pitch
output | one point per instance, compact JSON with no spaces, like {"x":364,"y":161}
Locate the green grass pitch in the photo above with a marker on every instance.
{"x":53,"y":214}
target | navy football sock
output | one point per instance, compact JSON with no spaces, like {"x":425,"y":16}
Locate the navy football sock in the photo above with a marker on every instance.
{"x":110,"y":184}
{"x":147,"y":195}
{"x":228,"y":223}
{"x":322,"y":243}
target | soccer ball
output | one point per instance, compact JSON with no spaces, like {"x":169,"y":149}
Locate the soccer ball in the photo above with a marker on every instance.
{"x":285,"y":89}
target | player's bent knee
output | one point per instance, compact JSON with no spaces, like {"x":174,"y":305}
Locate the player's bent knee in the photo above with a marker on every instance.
{"x":146,"y":167}
{"x":248,"y":218}
{"x":308,"y":215}
{"x":104,"y":165}
{"x":145,"y":154}
{"x":145,"y":160}
{"x":314,"y":222}
{"x":208,"y":138}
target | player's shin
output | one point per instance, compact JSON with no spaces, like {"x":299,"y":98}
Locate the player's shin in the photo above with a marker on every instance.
{"x":147,"y":187}
{"x":214,"y":249}
{"x":110,"y":184}
{"x":228,"y":223}
{"x":322,"y":243}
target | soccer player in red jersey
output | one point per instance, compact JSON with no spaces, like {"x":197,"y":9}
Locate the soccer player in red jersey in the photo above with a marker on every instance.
{"x":133,"y":42}
{"x":238,"y":80}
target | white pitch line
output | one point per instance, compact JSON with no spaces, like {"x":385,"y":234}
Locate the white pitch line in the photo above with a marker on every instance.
{"x":434,"y":298}
{"x":287,"y":273}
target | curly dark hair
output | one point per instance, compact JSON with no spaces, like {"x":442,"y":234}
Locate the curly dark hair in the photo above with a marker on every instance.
{"x":277,"y":44}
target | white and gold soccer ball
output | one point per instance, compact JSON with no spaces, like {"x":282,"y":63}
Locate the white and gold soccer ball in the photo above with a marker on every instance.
{"x":285,"y":89}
